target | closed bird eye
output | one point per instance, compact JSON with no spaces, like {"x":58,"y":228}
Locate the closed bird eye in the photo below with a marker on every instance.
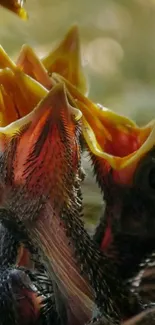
{"x":152,"y":178}
{"x":144,"y":177}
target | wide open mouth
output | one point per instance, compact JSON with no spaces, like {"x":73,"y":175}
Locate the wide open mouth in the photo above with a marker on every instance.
{"x":22,"y":84}
{"x":47,"y":143}
{"x":19,"y":94}
{"x":144,"y":140}
{"x":109,"y":136}
{"x":113,"y":137}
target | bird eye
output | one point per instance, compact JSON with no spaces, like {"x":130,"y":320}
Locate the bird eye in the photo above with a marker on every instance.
{"x":152,"y":178}
{"x":144,"y":177}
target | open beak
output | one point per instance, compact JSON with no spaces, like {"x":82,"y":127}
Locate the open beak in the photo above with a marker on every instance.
{"x":32,"y":65}
{"x":47,"y":145}
{"x":40,"y":121}
{"x":19,"y":94}
{"x":109,"y":136}
{"x":66,"y":60}
{"x":15,"y":6}
{"x":125,"y":146}
{"x":46,"y":119}
{"x":29,"y":63}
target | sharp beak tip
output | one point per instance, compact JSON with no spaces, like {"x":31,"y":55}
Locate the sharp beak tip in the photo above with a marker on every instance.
{"x":57,"y":101}
{"x":21,"y":13}
{"x":72,"y":36}
{"x":16,"y":9}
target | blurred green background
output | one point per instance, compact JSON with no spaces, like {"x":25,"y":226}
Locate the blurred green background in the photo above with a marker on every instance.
{"x":118,"y":49}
